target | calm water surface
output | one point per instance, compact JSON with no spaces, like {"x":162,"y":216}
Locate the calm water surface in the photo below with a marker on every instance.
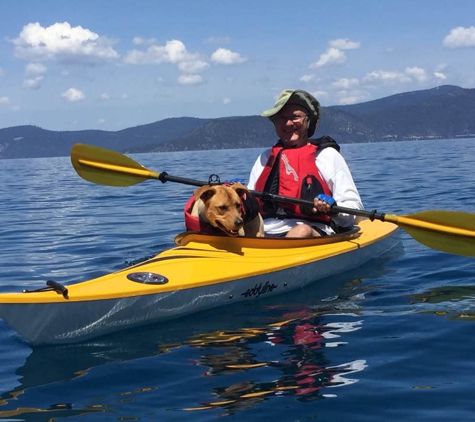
{"x":391,"y":341}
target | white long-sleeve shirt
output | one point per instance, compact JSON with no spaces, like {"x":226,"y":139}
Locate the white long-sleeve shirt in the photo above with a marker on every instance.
{"x":334,"y":170}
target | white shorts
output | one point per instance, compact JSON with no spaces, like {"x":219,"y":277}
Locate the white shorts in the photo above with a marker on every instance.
{"x":276,"y":227}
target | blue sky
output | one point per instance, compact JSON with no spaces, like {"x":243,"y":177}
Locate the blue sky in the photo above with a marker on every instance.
{"x":113,"y":64}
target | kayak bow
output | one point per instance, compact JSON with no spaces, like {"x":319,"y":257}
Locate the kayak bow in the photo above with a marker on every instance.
{"x":201,"y":272}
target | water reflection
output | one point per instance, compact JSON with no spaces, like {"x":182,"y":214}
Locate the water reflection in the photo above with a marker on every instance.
{"x":52,"y":413}
{"x":458,"y":302}
{"x":252,"y":353}
{"x":303,"y":368}
{"x":285,"y":357}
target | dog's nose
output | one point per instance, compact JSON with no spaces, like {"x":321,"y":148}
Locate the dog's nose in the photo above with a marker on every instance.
{"x":238,"y":222}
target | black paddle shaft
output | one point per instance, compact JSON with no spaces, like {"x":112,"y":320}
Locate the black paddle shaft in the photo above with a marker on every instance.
{"x":213,"y":179}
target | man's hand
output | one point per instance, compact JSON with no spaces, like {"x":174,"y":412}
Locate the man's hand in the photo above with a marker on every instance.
{"x":323,"y":203}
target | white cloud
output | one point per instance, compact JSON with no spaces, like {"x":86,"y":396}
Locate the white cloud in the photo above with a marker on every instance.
{"x":331,"y":56}
{"x":344,"y":44}
{"x":101,"y":121}
{"x":416,"y":73}
{"x":190,"y":79}
{"x":227,"y":57}
{"x":4,"y":100}
{"x":104,"y":97}
{"x":194,"y":66}
{"x":319,"y":94}
{"x":460,"y":37}
{"x":345,"y":83}
{"x":64,"y":43}
{"x":410,"y":74}
{"x":144,"y":41}
{"x":335,"y":52}
{"x":35,"y":69}
{"x":351,"y":99}
{"x":35,"y":72}
{"x":125,"y":96}
{"x":33,"y":83}
{"x":73,"y":95}
{"x":173,"y":51}
{"x":307,"y":78}
{"x":226,"y":101}
{"x":387,"y":77}
{"x":351,"y":96}
{"x":440,"y":76}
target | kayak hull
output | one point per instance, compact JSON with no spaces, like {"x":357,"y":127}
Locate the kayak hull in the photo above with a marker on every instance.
{"x":202,"y":272}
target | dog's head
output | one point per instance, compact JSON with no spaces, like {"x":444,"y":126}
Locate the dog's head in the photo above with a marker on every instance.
{"x":223,"y":207}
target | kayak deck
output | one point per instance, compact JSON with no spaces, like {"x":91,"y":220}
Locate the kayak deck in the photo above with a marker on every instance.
{"x":200,"y":260}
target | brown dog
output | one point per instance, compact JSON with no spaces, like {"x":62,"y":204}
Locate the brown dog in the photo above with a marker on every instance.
{"x":221,"y":207}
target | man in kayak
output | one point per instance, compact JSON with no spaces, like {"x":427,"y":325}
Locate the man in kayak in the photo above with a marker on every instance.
{"x":300,"y":167}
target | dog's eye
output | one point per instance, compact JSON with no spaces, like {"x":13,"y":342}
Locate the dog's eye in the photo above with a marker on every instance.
{"x":223,"y":208}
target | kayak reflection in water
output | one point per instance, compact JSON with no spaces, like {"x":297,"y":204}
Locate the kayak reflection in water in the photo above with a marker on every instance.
{"x":300,"y":167}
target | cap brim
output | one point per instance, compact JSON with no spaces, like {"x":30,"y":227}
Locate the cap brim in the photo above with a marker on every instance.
{"x":272,"y":111}
{"x":281,"y":102}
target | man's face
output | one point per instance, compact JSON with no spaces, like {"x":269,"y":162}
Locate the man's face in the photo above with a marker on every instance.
{"x":291,"y":125}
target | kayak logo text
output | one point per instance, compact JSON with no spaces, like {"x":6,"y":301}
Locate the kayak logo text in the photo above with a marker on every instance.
{"x":259,"y":289}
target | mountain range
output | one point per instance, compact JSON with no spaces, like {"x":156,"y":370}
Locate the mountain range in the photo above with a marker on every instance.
{"x":446,"y":112}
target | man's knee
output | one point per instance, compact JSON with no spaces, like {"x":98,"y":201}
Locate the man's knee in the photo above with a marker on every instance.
{"x":302,"y":230}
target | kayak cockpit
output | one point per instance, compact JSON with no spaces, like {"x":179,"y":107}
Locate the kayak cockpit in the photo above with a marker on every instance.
{"x":184,"y":238}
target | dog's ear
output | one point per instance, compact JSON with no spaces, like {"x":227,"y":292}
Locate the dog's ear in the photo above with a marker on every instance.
{"x":204,"y":193}
{"x":240,"y":189}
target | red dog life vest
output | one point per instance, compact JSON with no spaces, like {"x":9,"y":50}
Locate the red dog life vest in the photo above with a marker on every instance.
{"x":292,"y":172}
{"x":194,"y":224}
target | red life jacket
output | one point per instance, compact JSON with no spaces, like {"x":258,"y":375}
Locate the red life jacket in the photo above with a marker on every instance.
{"x":292,"y":172}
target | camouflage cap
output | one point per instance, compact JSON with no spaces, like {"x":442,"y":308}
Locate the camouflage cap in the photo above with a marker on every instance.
{"x":301,"y":98}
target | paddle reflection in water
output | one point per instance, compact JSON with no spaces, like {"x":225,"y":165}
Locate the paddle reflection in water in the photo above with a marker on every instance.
{"x":455,"y":302}
{"x":300,"y":359}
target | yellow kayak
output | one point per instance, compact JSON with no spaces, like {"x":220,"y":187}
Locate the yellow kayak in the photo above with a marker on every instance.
{"x":201,"y":272}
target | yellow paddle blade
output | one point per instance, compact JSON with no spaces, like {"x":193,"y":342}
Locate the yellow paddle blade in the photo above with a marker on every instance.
{"x":448,"y":231}
{"x":105,"y":167}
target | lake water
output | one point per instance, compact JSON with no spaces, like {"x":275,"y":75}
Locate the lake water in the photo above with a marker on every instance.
{"x":391,"y":341}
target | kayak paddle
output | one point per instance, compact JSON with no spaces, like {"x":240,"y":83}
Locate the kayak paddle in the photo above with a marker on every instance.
{"x":447,"y":231}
